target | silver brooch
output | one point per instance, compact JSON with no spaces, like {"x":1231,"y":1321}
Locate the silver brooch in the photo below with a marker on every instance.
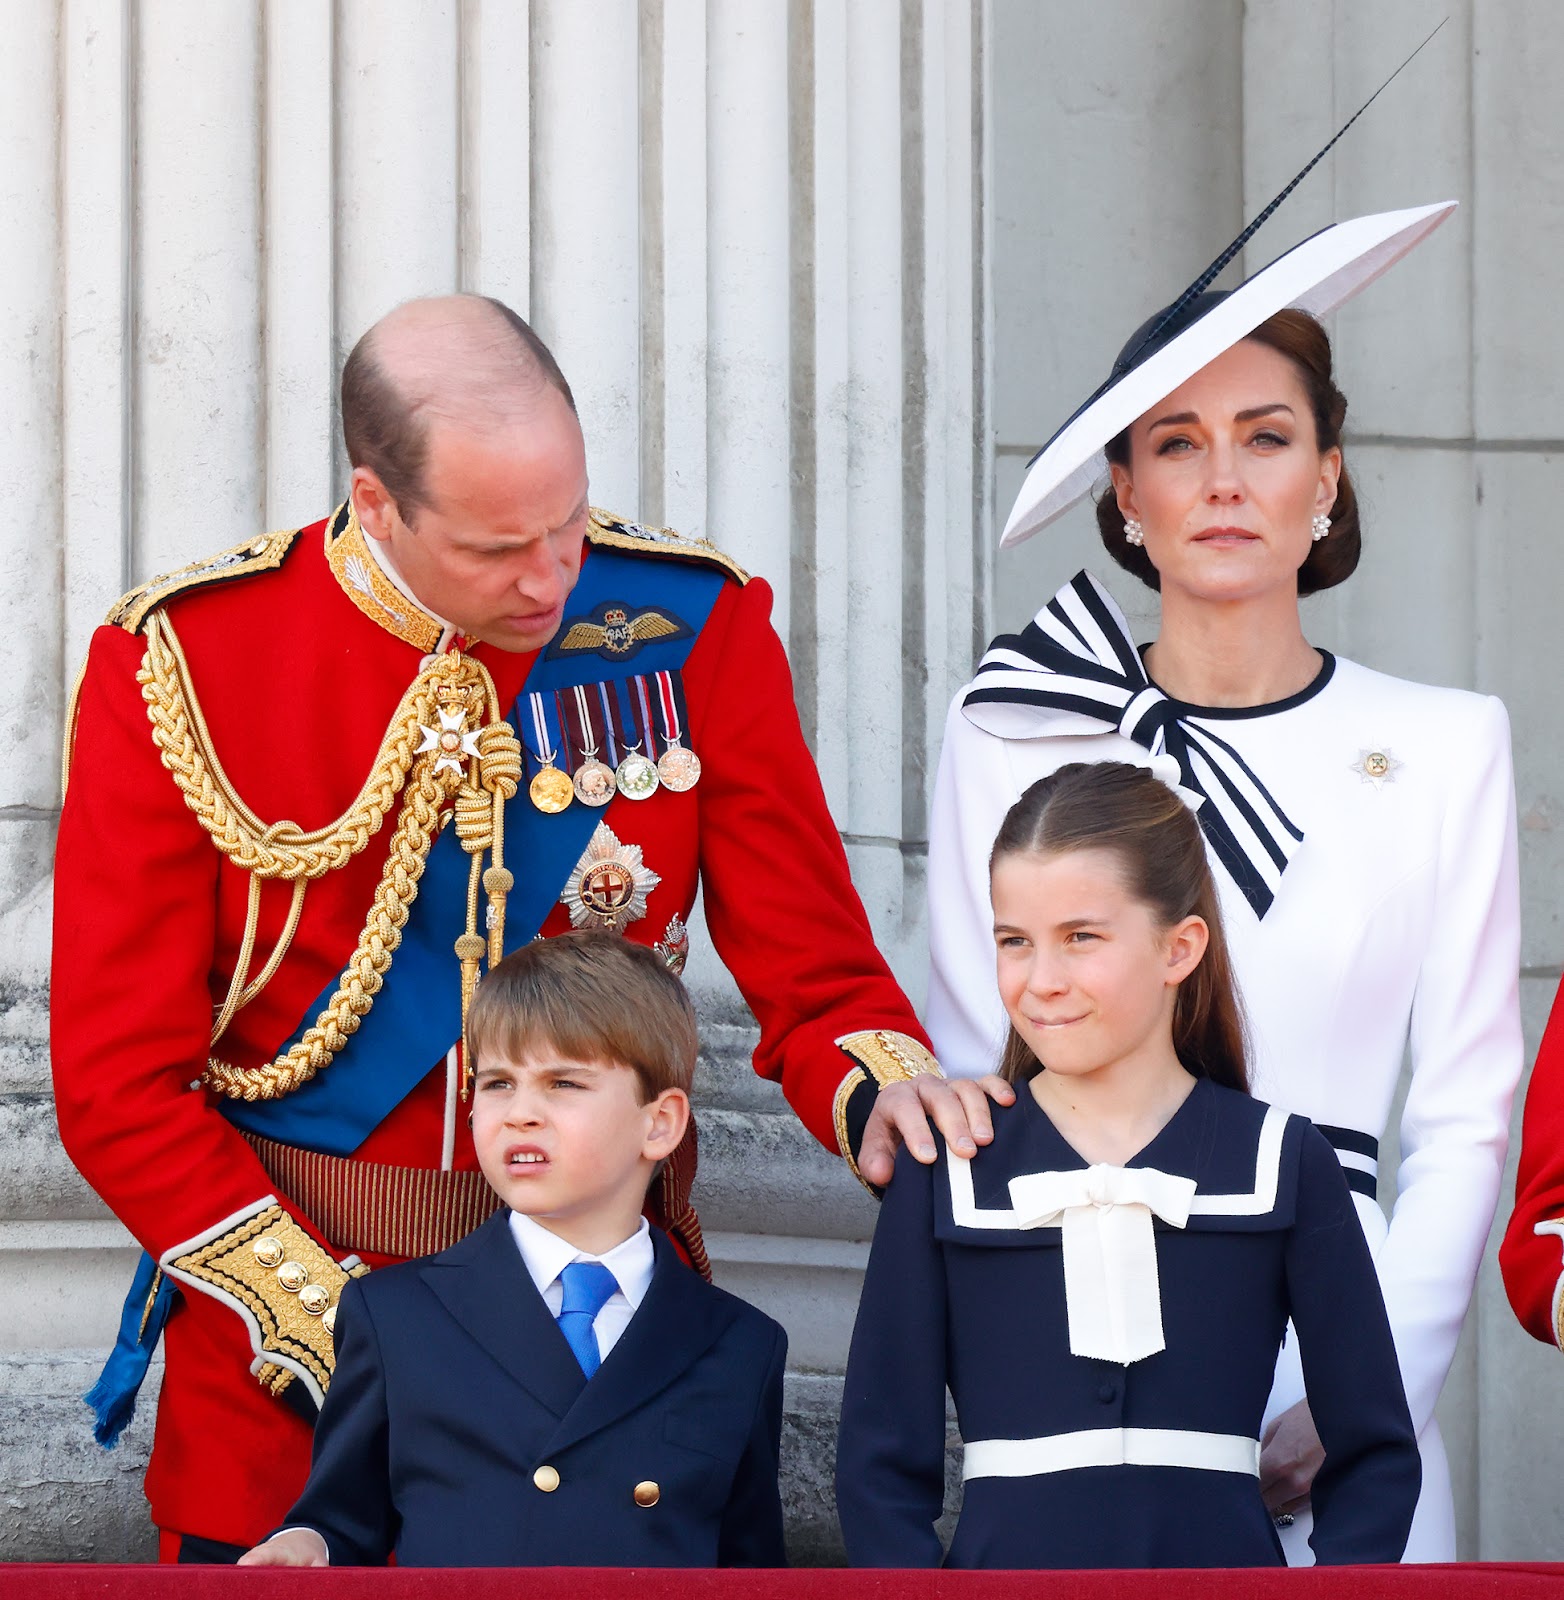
{"x":1378,"y":767}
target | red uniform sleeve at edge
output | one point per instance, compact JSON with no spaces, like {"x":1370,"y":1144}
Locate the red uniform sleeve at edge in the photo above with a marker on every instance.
{"x":130,"y":1007}
{"x":779,"y":899}
{"x":1531,"y":1263}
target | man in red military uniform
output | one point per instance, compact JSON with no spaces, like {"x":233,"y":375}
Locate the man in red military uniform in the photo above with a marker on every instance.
{"x":1531,"y":1255}
{"x":317,"y":783}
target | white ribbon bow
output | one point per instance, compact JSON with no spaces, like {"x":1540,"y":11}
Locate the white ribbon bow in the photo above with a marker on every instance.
{"x":1112,"y":1293}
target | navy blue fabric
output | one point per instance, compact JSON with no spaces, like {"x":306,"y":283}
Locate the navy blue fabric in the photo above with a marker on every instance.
{"x":588,"y":1287}
{"x":454,"y":1384}
{"x":984,"y":1311}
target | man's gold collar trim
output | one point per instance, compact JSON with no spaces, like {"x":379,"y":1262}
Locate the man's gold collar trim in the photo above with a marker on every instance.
{"x":362,"y":581}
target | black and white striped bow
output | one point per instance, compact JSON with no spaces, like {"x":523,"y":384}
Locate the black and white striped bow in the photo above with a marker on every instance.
{"x":1075,"y":669}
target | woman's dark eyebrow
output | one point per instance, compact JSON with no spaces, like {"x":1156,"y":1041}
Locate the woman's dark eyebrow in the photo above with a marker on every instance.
{"x":1182,"y":418}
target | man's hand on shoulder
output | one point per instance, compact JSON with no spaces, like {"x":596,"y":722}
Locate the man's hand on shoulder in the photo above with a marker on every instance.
{"x":293,"y":1547}
{"x":958,"y":1107}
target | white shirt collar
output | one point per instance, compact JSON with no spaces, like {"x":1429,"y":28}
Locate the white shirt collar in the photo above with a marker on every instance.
{"x":382,"y":557}
{"x":546,"y":1255}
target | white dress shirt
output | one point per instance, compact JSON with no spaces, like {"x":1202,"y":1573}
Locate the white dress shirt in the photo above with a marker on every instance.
{"x":546,"y":1255}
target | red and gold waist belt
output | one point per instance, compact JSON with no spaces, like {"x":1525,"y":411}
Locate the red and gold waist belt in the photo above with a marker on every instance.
{"x":370,"y":1206}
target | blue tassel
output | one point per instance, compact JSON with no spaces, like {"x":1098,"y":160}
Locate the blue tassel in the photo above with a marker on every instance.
{"x":113,"y":1396}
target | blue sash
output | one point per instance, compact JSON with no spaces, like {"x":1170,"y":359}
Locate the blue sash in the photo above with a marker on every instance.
{"x":417,"y":1015}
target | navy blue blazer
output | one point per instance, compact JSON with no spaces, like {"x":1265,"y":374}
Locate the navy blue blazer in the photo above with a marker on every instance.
{"x":459,"y":1430}
{"x":958,"y":1293}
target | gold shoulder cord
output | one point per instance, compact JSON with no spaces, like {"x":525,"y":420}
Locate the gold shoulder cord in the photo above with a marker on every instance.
{"x":466,"y":749}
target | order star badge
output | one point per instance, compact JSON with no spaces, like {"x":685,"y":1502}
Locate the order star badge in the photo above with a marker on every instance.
{"x":609,"y":886}
{"x":454,"y":745}
{"x":1376,"y":766}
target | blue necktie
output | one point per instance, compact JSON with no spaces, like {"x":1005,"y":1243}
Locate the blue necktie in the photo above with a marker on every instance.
{"x":588,"y":1286}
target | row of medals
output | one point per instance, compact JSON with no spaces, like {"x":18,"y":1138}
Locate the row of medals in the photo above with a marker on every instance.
{"x":595,"y":783}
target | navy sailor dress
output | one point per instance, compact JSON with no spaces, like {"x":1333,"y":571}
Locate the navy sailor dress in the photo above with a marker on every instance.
{"x":1141,"y":1457}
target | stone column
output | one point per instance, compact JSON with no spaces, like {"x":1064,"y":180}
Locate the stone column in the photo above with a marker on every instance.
{"x":754,"y":235}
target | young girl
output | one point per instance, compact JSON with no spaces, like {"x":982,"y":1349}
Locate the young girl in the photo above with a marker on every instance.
{"x":1139,"y":1232}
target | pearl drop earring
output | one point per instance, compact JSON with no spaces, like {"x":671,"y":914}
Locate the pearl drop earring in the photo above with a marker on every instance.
{"x":1133,"y":532}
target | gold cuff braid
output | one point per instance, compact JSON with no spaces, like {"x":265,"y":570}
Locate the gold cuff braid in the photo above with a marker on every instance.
{"x":889,"y":1057}
{"x":844,"y":1093}
{"x":425,"y":775}
{"x":881,"y":1057}
{"x":285,"y":1281}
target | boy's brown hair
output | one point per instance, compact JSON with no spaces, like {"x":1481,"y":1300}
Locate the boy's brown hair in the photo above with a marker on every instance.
{"x":589,"y":997}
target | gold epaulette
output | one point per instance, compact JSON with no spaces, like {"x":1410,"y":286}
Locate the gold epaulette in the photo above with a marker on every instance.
{"x":130,"y":611}
{"x":616,"y":533}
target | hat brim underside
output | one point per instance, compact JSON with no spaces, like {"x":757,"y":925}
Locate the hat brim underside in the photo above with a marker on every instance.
{"x":1318,"y":275}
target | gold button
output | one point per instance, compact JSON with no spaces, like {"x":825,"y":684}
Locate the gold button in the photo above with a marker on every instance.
{"x":315,"y":1299}
{"x":268,"y":1251}
{"x":329,"y":1320}
{"x":1375,"y":764}
{"x":292,"y":1276}
{"x":546,"y":1479}
{"x":647,"y":1493}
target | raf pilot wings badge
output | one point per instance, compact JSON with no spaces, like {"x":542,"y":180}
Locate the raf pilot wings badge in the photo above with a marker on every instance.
{"x":616,"y":630}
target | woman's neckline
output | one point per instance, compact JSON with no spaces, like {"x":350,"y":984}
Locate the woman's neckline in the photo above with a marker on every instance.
{"x":1269,"y":708}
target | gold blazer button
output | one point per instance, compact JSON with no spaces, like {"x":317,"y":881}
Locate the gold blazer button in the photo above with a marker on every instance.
{"x":546,"y":1479}
{"x":647,"y":1493}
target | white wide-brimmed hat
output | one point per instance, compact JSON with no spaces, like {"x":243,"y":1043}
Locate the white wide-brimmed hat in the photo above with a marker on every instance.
{"x":1316,"y":276}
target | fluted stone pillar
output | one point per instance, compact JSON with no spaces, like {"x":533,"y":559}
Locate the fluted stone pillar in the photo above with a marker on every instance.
{"x":753,"y":232}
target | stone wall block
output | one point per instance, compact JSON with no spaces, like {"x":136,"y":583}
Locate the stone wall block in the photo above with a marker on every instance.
{"x":1418,"y":510}
{"x":26,"y":860}
{"x":68,"y":1499}
{"x":585,"y":236}
{"x":30,"y":422}
{"x":1518,"y":582}
{"x":1517,"y":143}
{"x":197,"y":483}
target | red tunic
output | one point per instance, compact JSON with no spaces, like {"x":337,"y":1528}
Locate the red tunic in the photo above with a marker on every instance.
{"x":298,"y":684}
{"x":1532,"y":1261}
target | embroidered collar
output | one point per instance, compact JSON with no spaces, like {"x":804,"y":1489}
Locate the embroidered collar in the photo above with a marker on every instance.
{"x":370,"y":581}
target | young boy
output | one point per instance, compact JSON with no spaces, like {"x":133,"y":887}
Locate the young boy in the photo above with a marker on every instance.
{"x":467,"y":1423}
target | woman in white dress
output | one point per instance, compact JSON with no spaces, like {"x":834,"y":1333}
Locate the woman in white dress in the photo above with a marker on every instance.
{"x":1362,"y":827}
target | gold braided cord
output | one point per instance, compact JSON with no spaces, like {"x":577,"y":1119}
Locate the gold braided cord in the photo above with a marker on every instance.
{"x":423,"y":774}
{"x":283,"y":849}
{"x":365,"y":973}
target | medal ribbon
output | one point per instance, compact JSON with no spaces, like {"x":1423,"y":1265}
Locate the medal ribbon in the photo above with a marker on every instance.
{"x":610,"y":731}
{"x":546,"y":755}
{"x":670,"y":692}
{"x":622,"y":700}
{"x":1074,"y":669}
{"x":648,"y":727}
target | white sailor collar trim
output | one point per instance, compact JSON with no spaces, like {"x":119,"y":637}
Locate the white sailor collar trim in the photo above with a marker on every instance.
{"x":1265,"y":1204}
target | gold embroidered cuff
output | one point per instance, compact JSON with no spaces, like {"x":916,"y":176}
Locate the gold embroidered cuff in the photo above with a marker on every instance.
{"x":844,"y":1141}
{"x":889,"y":1057}
{"x":285,"y":1286}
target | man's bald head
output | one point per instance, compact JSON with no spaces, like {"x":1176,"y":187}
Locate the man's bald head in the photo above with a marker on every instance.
{"x":462,"y":359}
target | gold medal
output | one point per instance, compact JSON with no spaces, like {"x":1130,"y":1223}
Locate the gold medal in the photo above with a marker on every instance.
{"x":609,"y":886}
{"x":679,"y":769}
{"x":551,"y":790}
{"x":637,"y":778}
